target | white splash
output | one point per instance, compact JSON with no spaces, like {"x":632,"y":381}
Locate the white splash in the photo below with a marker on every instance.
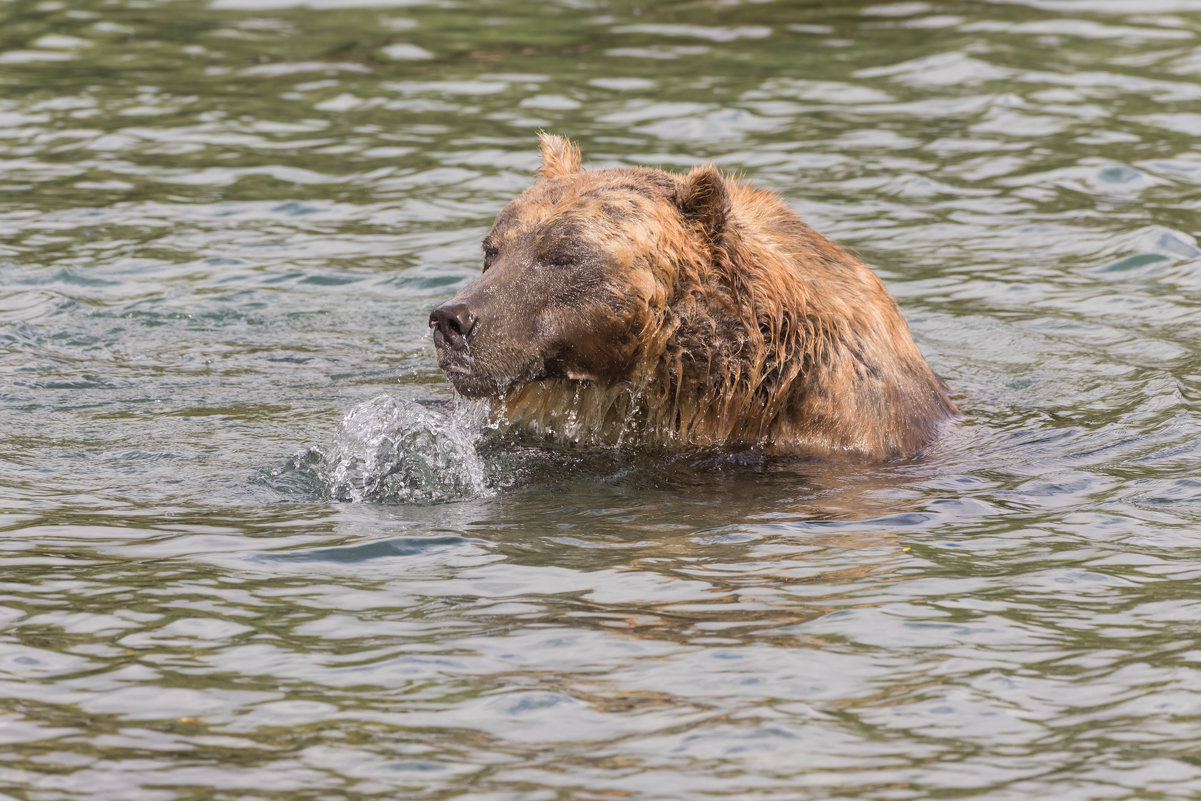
{"x":390,"y":450}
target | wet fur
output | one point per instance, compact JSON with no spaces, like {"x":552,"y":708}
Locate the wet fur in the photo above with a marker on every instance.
{"x":708,"y":314}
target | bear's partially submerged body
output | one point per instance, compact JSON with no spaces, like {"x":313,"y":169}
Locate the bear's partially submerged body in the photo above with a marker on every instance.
{"x":637,"y":306}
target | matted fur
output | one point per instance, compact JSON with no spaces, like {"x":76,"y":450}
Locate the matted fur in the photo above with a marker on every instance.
{"x":713,"y":317}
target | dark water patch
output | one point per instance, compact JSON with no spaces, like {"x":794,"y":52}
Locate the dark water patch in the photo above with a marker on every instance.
{"x":396,"y":547}
{"x":85,"y":381}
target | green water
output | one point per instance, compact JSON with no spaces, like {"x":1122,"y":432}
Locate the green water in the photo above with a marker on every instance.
{"x":222,"y":228}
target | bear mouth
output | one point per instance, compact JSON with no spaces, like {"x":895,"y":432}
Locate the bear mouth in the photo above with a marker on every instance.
{"x":471,"y":382}
{"x":471,"y":385}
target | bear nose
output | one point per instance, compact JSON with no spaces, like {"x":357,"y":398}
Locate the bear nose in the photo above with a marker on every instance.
{"x":454,"y":321}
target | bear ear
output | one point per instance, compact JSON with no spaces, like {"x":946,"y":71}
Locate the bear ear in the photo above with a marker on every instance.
{"x":704,"y":198}
{"x":559,"y":156}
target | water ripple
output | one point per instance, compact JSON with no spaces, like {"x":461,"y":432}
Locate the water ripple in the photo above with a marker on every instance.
{"x":222,"y":228}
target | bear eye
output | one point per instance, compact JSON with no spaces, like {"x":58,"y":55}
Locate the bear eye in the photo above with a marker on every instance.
{"x":560,"y":254}
{"x":490,"y":252}
{"x":564,"y":246}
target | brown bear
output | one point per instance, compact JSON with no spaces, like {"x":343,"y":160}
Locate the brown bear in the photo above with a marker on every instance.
{"x":639,"y":307}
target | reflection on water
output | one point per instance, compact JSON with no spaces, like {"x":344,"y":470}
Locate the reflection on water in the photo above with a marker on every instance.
{"x":222,"y":228}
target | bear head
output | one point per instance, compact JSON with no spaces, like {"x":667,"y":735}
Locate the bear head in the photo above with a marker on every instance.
{"x":578,"y":273}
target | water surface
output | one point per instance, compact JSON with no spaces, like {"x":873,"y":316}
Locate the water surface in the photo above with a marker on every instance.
{"x":222,"y":227}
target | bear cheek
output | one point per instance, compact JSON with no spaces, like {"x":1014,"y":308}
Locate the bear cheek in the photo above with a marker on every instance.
{"x":594,"y":341}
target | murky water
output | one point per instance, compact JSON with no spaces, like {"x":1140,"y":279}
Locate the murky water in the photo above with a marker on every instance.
{"x":252,"y":550}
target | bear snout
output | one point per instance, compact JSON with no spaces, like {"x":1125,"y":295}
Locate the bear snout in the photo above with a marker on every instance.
{"x":453,"y":323}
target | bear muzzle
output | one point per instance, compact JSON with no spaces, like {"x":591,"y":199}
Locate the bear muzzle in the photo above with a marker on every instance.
{"x":477,"y":368}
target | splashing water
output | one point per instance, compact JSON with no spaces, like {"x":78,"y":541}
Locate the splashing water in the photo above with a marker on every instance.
{"x":390,"y":450}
